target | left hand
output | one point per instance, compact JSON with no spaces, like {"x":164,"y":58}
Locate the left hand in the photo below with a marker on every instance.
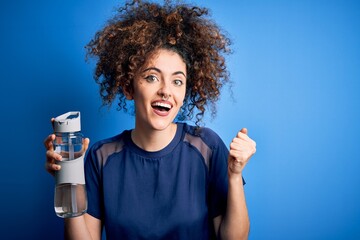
{"x":241,"y":150}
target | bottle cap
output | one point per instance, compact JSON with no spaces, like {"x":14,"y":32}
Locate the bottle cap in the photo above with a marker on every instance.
{"x":67,"y":122}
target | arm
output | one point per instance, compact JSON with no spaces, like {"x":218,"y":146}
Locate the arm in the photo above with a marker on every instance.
{"x":235,"y":224}
{"x":83,"y":227}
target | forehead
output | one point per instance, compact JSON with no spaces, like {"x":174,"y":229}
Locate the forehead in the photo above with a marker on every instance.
{"x":165,"y":59}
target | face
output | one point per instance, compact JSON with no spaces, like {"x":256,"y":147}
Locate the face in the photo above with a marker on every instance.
{"x":159,"y":90}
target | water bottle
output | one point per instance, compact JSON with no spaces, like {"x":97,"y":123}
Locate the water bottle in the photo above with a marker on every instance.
{"x":70,"y":198}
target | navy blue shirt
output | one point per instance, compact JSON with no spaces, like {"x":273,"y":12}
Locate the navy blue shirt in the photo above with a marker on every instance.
{"x":173,"y":193}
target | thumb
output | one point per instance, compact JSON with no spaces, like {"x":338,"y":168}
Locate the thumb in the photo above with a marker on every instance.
{"x":86,"y":142}
{"x":52,"y":122}
{"x":244,"y":130}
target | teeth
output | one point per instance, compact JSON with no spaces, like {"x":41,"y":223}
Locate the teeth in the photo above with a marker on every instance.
{"x":160,"y":104}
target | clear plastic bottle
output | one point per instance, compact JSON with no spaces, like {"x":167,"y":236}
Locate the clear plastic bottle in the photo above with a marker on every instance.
{"x":70,"y":198}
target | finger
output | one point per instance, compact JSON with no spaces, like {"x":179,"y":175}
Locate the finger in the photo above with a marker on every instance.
{"x":238,"y":156}
{"x":243,"y":142}
{"x":242,"y":155}
{"x":245,"y":147}
{"x":244,"y":130}
{"x":52,"y":167}
{"x":52,"y":122}
{"x":242,"y":133}
{"x":241,"y":139}
{"x":242,"y":150}
{"x":237,"y":145}
{"x":243,"y":136}
{"x":86,"y":143}
{"x":48,"y":142}
{"x":51,"y":156}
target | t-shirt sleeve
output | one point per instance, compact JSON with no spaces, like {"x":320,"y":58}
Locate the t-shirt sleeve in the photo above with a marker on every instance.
{"x":218,"y":180}
{"x":93,"y":184}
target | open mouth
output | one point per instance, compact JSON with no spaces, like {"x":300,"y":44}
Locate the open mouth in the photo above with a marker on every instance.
{"x":160,"y":106}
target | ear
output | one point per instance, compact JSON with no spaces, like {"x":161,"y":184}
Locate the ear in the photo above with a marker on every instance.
{"x":128,"y":93}
{"x":128,"y":96}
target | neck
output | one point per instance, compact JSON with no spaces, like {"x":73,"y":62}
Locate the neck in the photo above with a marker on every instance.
{"x":153,"y":140}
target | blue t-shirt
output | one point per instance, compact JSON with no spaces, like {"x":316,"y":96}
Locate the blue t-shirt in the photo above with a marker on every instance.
{"x":173,"y":193}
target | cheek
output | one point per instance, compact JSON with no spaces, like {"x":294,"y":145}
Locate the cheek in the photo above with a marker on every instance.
{"x":142,"y":96}
{"x":181,"y":98}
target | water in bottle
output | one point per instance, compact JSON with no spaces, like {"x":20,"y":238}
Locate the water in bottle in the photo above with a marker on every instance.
{"x":70,"y":190}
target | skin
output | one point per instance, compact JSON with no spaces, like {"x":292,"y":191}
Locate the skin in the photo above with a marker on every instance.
{"x":162,"y":80}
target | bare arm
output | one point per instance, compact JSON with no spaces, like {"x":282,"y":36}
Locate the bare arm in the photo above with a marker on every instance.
{"x":83,"y":227}
{"x":235,"y":224}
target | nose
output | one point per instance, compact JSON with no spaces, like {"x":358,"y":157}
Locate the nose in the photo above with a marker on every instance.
{"x":164,"y":91}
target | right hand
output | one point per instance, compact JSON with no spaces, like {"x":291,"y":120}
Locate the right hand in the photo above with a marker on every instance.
{"x":52,"y":156}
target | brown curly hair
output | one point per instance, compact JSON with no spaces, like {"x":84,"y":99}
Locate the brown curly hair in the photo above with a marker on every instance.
{"x":140,"y":28}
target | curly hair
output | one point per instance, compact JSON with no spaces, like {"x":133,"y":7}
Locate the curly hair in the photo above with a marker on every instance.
{"x":140,"y":28}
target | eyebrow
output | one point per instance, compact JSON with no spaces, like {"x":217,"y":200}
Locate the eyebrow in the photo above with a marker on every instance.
{"x":159,"y":71}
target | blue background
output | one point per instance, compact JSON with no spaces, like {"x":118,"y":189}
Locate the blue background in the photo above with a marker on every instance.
{"x":296,"y":70}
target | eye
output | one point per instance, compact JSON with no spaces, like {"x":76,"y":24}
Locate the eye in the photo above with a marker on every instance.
{"x":151,"y":78}
{"x":178,"y":82}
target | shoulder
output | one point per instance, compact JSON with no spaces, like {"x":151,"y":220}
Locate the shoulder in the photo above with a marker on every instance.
{"x":203,"y":134}
{"x":209,"y":145}
{"x":106,"y":147}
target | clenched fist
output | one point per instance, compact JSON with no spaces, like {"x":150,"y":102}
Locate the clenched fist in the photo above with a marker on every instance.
{"x":242,"y":148}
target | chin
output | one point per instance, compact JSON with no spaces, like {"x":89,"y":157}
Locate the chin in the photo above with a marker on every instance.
{"x":160,"y":125}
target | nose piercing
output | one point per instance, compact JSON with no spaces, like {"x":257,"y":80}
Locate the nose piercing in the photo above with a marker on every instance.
{"x":164,"y":97}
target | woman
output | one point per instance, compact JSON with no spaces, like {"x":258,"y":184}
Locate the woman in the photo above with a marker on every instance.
{"x":163,"y":179}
